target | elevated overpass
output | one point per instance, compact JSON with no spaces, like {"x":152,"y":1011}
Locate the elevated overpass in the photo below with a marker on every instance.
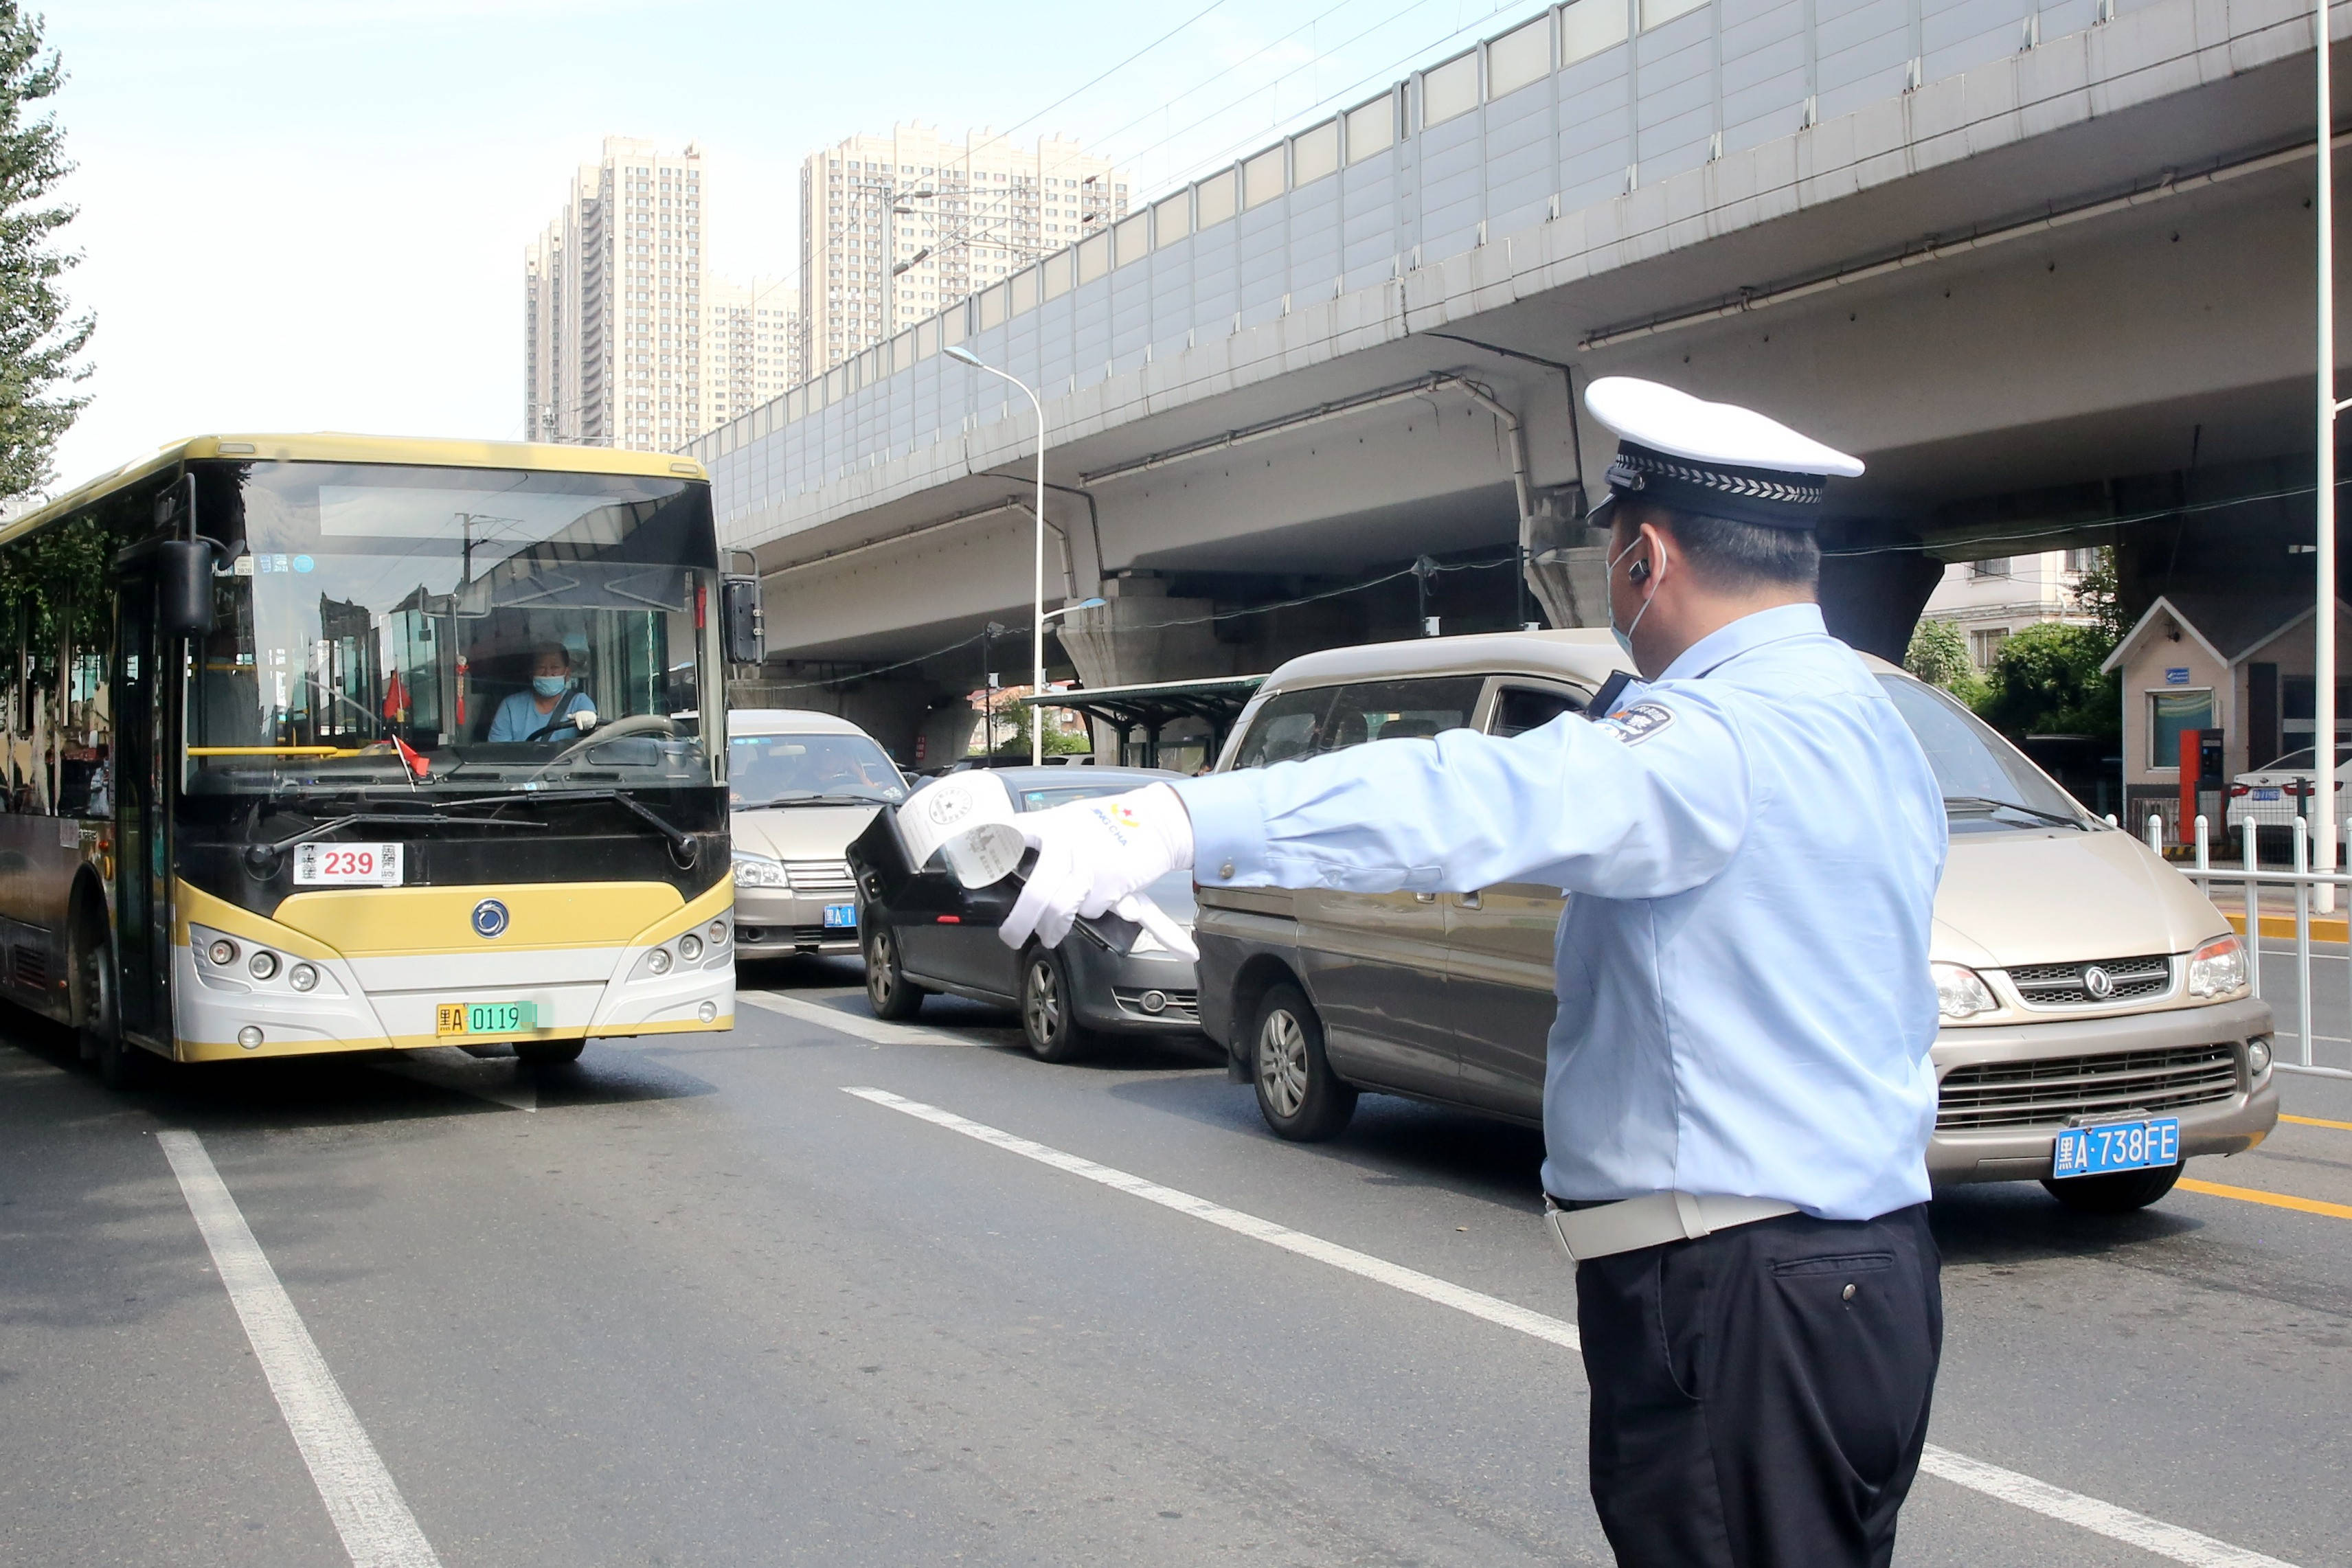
{"x":2048,"y":270}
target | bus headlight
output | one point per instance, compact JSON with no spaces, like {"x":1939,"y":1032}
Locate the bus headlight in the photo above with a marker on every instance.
{"x":658,"y":960}
{"x":758,"y":871}
{"x":2218,"y":969}
{"x":264,"y":964}
{"x":301,"y":977}
{"x":223,"y":952}
{"x":719,"y":933}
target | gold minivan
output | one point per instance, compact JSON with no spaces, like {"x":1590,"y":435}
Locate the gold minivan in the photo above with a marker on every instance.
{"x":2083,"y":983}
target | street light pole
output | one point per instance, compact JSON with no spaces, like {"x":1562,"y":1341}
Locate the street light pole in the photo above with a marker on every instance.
{"x":2323,"y":686}
{"x":1037,"y":623}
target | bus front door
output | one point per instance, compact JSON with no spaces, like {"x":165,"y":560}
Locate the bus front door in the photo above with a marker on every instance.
{"x":143,"y":941}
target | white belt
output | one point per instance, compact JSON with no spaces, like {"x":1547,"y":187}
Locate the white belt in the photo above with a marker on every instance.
{"x":1652,"y":1221}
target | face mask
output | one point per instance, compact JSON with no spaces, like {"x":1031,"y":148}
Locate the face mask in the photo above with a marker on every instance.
{"x":552,"y":685}
{"x":1625,"y":637}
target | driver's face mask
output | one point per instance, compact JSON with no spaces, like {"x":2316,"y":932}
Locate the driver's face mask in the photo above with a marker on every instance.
{"x":1625,"y":636}
{"x":552,"y":685}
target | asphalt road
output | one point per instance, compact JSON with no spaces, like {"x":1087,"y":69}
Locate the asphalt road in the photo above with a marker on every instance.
{"x":692,"y":1302}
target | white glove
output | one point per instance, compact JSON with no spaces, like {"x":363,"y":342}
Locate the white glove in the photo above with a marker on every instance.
{"x":1093,"y":854}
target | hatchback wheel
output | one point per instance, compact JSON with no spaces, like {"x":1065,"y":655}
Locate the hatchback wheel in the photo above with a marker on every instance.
{"x":2117,"y":1194}
{"x":1297,"y":1093}
{"x":1047,"y":1024}
{"x":887,"y":989}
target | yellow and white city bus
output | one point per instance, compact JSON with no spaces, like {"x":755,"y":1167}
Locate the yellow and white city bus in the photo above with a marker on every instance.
{"x":329,"y":743}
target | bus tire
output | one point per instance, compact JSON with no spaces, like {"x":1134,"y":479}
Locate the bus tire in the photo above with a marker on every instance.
{"x":548,"y":1052}
{"x":98,"y":1024}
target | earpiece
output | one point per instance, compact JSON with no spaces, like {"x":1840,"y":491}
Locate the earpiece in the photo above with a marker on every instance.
{"x":1638,"y":573}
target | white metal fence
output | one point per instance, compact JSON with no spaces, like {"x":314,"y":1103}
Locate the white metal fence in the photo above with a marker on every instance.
{"x":2238,"y":889}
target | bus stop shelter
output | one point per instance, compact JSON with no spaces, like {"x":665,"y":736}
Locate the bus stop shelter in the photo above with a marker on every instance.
{"x":1139,"y":716}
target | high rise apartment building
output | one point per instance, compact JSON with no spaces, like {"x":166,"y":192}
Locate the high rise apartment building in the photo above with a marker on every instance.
{"x":960,"y":214}
{"x":751,"y":345}
{"x":614,"y":304}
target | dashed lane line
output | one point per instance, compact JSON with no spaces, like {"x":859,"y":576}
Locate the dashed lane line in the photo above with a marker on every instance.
{"x":2116,"y":1523}
{"x":873,"y":1030}
{"x":2273,"y":1200}
{"x":367,"y":1508}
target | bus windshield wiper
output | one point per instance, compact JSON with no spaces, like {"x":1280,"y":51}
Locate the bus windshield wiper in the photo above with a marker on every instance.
{"x":813,"y":800}
{"x":682,"y":844}
{"x":1987,"y":803}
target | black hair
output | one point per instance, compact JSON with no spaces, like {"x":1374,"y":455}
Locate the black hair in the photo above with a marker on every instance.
{"x":1737,"y":557}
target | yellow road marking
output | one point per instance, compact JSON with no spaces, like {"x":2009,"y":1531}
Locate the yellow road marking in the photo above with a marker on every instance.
{"x":2316,"y":1121}
{"x":2275,"y":1199}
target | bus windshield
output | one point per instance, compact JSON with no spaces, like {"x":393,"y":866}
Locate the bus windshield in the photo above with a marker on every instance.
{"x":458,"y":627}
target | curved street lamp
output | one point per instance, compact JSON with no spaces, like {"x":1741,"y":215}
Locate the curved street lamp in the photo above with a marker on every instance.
{"x":1037,"y":627}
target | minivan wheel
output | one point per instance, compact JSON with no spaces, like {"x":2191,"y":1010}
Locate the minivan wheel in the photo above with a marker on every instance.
{"x":887,"y":989}
{"x":1047,"y":1024}
{"x":1297,"y":1093}
{"x":2117,"y":1194}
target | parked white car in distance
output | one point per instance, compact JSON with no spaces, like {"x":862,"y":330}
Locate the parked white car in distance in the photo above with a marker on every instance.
{"x":2276,"y":793}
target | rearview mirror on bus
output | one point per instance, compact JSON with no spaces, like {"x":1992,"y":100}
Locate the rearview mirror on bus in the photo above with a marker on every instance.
{"x":183,"y":581}
{"x":742,"y":621}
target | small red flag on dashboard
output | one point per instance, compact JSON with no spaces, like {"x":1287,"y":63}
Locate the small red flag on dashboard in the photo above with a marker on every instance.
{"x":414,"y":757}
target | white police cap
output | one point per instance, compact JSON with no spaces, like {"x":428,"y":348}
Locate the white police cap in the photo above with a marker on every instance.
{"x":1714,"y":458}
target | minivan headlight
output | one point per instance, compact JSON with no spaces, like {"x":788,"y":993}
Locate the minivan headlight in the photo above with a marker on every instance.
{"x":1960,"y":991}
{"x":758,"y":871}
{"x":2218,"y":969}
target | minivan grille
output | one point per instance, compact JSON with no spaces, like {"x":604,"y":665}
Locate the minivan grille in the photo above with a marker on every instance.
{"x":820,"y":876}
{"x":2071,"y":984}
{"x":2056,"y":1089}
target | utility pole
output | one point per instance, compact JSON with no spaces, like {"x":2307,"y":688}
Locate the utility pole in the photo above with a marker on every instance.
{"x":2322,"y":692}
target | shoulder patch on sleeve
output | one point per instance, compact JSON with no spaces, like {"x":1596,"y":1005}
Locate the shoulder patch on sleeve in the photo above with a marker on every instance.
{"x":1635,"y":725}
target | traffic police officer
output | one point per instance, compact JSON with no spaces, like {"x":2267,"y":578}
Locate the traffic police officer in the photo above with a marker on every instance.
{"x":1739,"y":1096}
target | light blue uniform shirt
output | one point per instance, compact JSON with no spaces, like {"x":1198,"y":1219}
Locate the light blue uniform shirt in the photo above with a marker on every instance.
{"x":518,"y":717}
{"x":1752,"y":845}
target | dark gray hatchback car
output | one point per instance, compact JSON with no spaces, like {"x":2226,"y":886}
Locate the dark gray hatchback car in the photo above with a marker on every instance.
{"x":931,"y":933}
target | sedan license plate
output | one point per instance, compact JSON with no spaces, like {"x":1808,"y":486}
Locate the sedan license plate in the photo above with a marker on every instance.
{"x":485,"y":1018}
{"x":2263,"y":793}
{"x":2117,"y":1146}
{"x":838,"y":917}
{"x":347,"y":865}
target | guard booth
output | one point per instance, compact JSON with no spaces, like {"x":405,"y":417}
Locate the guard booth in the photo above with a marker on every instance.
{"x":1178,"y":724}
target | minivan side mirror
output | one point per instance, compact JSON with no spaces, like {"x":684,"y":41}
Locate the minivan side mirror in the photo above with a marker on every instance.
{"x":183,"y":582}
{"x":742,"y":621}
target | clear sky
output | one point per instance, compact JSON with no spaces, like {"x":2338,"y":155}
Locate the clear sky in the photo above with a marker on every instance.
{"x":311,"y":215}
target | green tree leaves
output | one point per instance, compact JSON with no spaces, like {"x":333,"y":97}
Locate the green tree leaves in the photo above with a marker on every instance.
{"x":38,"y":345}
{"x":2046,"y":681}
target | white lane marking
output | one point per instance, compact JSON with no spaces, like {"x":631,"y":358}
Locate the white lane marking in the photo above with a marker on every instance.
{"x":2100,"y":1518}
{"x":872,"y":1030}
{"x":367,"y":1508}
{"x":2040,"y":1497}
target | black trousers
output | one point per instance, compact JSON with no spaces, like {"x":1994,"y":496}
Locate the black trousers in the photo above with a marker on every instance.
{"x":1759,"y":1395}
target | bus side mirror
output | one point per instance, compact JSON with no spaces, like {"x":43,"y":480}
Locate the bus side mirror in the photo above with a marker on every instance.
{"x":183,"y":578}
{"x":743,"y":622}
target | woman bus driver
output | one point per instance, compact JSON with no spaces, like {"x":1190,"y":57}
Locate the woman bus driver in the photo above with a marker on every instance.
{"x":551,"y":700}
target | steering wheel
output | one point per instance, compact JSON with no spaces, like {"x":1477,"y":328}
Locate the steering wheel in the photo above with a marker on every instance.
{"x":619,"y":730}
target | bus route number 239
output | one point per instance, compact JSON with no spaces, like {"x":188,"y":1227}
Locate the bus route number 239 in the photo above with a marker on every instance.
{"x":347,"y":865}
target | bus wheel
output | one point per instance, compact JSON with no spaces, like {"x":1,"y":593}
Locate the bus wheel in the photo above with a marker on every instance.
{"x":549,"y":1052}
{"x":121,"y":1065}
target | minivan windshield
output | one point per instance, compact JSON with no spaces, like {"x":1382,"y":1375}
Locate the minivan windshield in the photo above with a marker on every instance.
{"x":1988,"y":785}
{"x":809,"y":771}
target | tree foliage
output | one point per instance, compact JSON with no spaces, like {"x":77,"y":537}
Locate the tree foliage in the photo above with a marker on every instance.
{"x":40,"y":346}
{"x":1939,"y":654}
{"x":2046,"y":681}
{"x":1059,"y":742}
